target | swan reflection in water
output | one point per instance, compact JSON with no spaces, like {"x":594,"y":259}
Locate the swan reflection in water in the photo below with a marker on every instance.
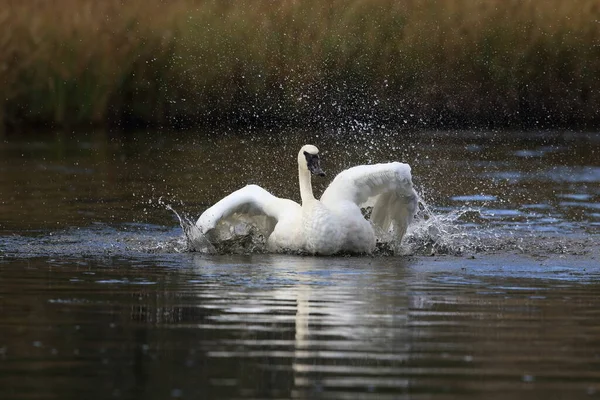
{"x":316,"y":318}
{"x":333,"y":224}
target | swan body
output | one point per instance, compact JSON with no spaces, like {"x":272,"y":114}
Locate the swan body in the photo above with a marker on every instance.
{"x":333,"y":224}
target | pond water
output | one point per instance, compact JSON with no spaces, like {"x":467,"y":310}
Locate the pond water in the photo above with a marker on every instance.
{"x":495,"y":294}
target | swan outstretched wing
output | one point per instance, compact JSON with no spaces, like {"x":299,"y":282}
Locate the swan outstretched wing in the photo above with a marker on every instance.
{"x":252,"y":202}
{"x":387,"y":188}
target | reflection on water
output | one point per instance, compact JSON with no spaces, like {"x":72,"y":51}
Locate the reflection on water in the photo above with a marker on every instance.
{"x":99,"y":298}
{"x":285,"y":326}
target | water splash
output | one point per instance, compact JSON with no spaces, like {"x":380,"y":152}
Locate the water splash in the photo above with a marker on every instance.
{"x":234,"y":236}
{"x":194,"y":239}
{"x":231,"y":236}
{"x":431,"y":233}
{"x":457,"y":233}
{"x":436,"y":233}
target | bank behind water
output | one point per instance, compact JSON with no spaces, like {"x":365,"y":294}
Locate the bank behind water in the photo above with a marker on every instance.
{"x":415,"y":63}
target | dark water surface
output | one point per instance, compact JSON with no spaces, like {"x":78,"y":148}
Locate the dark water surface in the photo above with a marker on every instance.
{"x":99,"y":299}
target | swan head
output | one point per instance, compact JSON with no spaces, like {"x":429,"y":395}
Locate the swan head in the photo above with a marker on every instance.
{"x":308,"y":159}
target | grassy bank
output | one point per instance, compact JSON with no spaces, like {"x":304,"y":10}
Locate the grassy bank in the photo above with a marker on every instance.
{"x":183,"y":62}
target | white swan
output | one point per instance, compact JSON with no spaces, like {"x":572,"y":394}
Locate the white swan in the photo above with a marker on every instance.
{"x":330,"y":225}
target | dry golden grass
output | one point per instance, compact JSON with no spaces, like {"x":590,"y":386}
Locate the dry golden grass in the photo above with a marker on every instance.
{"x":65,"y":60}
{"x":182,"y":61}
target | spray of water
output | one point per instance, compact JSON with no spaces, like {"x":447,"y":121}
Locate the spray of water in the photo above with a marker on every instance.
{"x":431,"y":233}
{"x":194,"y":239}
{"x":437,"y":233}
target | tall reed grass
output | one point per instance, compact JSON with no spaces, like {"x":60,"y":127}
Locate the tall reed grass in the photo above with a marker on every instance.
{"x":182,"y":62}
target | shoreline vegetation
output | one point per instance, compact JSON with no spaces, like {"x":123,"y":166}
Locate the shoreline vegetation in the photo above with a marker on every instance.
{"x":414,"y":63}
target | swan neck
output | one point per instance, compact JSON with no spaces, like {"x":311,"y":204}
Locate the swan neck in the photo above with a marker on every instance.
{"x":306,"y":192}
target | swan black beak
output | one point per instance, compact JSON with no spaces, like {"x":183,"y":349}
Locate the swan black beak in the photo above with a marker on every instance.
{"x":314,"y":166}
